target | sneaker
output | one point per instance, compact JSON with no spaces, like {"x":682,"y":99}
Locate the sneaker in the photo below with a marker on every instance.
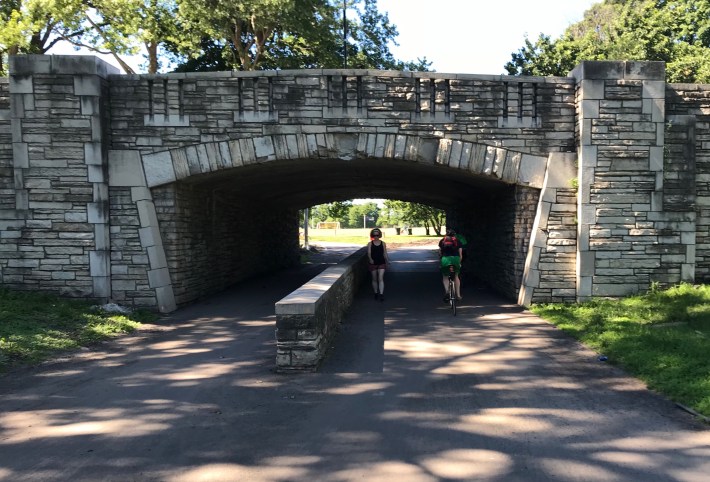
{"x":459,"y":298}
{"x":446,"y":298}
{"x":382,"y":297}
{"x":377,"y":296}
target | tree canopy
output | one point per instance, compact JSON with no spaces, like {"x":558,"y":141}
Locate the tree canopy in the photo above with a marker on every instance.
{"x":208,"y":34}
{"x":673,"y":31}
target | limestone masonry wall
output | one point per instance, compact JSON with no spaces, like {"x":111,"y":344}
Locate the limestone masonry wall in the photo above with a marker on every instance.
{"x":152,"y":113}
{"x":688,"y":163}
{"x":116,"y":186}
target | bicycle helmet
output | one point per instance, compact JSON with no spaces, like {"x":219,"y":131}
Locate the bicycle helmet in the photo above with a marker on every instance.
{"x":450,"y":232}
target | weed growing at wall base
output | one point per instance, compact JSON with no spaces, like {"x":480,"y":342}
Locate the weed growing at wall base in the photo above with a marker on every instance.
{"x":34,"y":326}
{"x":662,"y":337}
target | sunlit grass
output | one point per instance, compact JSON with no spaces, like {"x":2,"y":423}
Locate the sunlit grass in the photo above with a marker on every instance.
{"x":392,"y":240}
{"x":662,"y":337}
{"x":35,"y":326}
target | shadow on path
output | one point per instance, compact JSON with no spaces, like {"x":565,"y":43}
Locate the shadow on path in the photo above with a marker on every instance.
{"x":408,"y":391}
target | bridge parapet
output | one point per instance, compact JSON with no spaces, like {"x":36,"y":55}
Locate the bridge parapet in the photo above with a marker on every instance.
{"x":306,"y":319}
{"x":158,"y":112}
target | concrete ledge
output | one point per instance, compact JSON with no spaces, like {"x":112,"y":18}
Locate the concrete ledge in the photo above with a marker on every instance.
{"x":306,"y":319}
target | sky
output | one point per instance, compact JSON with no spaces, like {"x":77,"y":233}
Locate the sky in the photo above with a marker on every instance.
{"x":462,"y":36}
{"x":475,"y":36}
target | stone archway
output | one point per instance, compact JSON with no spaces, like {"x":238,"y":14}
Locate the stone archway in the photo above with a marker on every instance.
{"x":142,"y":173}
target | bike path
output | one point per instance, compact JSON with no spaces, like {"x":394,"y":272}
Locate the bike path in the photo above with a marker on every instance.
{"x":408,"y":391}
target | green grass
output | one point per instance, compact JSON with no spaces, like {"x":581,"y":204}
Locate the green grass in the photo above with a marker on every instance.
{"x":662,"y":337}
{"x":35,"y":327}
{"x":359,"y":239}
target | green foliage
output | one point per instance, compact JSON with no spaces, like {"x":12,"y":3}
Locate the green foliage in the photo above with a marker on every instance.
{"x":35,"y":326}
{"x":363,"y":215}
{"x":673,"y":31}
{"x":663,"y":337}
{"x":414,"y":214}
{"x":288,"y":34}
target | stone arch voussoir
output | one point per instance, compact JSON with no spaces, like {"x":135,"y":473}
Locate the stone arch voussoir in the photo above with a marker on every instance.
{"x":508,"y":166}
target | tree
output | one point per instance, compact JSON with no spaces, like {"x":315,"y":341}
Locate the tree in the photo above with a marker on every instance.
{"x":288,"y":34}
{"x":28,"y":26}
{"x":112,"y":27}
{"x":415,"y":214}
{"x":335,"y":211}
{"x":363,"y":215}
{"x":676,"y":32}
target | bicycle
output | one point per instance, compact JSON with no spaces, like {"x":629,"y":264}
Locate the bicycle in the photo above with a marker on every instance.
{"x":452,"y":288}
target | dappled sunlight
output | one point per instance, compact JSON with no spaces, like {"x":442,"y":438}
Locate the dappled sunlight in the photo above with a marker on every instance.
{"x":469,"y":464}
{"x":384,"y":472}
{"x":511,"y":421}
{"x":53,"y":424}
{"x":358,"y":388}
{"x":257,"y":323}
{"x":656,"y":441}
{"x":232,"y":472}
{"x":188,"y":376}
{"x":424,"y":349}
{"x":591,"y":470}
{"x":63,"y":373}
{"x":487,"y":363}
{"x":626,"y":458}
{"x":402,"y":416}
{"x":354,"y":437}
{"x":201,"y":371}
{"x":528,"y":383}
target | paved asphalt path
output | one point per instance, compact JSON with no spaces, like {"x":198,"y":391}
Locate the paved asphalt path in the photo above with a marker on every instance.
{"x":408,"y":393}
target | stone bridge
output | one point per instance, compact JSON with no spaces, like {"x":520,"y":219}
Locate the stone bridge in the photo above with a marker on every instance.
{"x":156,"y":190}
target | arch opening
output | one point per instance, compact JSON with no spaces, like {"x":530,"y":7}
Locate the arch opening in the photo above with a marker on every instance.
{"x":222,"y":227}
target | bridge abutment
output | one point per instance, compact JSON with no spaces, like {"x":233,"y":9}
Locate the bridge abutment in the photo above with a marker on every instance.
{"x":56,"y":236}
{"x":636,"y":221}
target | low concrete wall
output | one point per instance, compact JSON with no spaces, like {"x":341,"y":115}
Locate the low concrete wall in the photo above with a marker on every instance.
{"x":307,"y":318}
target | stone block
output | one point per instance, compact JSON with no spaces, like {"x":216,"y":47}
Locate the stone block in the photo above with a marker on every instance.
{"x":159,"y":169}
{"x":97,"y":213}
{"x":159,"y":277}
{"x":20,"y":155}
{"x":141,"y":194}
{"x":99,"y":263}
{"x":89,"y":85}
{"x":532,"y":170}
{"x":150,"y":236}
{"x":21,"y":84}
{"x":156,"y":255}
{"x":165,"y":299}
{"x":93,"y":154}
{"x":101,"y":286}
{"x":95,"y":173}
{"x":125,"y":169}
{"x":146,"y":213}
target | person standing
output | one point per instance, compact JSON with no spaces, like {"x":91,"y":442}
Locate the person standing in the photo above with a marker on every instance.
{"x":377,"y":262}
{"x":450,"y":252}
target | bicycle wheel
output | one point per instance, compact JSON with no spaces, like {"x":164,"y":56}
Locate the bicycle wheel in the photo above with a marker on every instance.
{"x":452,"y":295}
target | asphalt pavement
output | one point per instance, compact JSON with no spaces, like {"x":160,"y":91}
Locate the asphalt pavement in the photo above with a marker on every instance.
{"x":408,"y":392}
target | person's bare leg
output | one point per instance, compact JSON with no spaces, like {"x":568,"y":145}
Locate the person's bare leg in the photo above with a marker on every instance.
{"x":381,"y":281}
{"x":374,"y":282}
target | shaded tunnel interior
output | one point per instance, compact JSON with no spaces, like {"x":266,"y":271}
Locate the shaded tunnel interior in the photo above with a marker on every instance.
{"x":222,"y":228}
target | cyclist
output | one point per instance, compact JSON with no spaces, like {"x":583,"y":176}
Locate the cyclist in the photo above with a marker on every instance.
{"x":450,"y":252}
{"x":377,"y":262}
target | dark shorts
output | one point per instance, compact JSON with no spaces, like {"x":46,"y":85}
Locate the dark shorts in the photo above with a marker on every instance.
{"x":375,"y":267}
{"x":447,"y":261}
